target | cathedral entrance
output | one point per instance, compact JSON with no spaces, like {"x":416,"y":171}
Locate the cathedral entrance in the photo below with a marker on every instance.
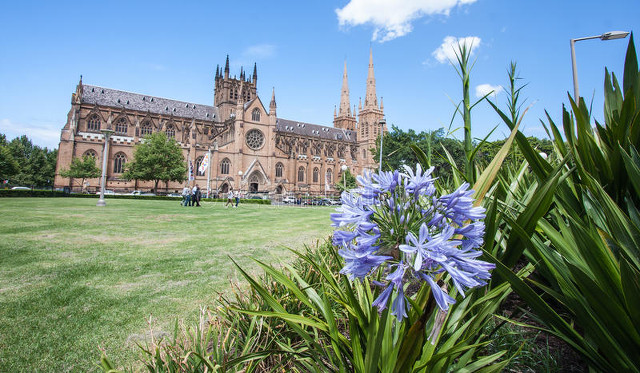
{"x":254,"y":182}
{"x":224,"y":189}
{"x":279,"y":189}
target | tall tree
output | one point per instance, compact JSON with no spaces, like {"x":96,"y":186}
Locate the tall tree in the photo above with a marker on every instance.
{"x":8,"y":164}
{"x":347,"y":179}
{"x":36,"y":165}
{"x":82,"y":168}
{"x":157,"y":158}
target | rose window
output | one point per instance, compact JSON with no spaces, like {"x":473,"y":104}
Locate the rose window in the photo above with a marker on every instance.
{"x":255,"y":139}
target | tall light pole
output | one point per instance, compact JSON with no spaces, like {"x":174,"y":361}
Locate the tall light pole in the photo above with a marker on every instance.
{"x":344,"y":175}
{"x":107,"y":134}
{"x":611,"y":35}
{"x":382,"y":123}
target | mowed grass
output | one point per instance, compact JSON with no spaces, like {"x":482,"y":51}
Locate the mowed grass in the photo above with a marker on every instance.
{"x":75,"y":278}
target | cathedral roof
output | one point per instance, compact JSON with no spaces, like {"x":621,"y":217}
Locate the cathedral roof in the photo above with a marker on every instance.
{"x":155,"y":105}
{"x":314,"y":130}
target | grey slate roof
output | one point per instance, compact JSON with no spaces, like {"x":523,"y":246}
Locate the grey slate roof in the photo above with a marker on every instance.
{"x":155,"y":105}
{"x":314,"y":130}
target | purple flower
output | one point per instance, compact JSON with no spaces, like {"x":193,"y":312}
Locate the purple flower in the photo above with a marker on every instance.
{"x":383,"y":299}
{"x":419,"y":181}
{"x":388,"y":180}
{"x":352,"y":210}
{"x":458,"y":206}
{"x":360,"y":264}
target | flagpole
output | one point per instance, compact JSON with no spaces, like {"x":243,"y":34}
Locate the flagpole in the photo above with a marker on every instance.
{"x":208,"y":171}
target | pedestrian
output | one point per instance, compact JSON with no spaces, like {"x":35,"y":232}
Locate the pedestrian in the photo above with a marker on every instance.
{"x":229,"y":198}
{"x":237,"y":196}
{"x":195,"y":196}
{"x":186,"y":195}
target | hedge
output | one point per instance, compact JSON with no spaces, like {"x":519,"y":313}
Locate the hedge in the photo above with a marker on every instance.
{"x":56,"y":193}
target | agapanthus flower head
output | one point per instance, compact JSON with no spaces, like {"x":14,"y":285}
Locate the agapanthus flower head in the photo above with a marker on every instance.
{"x":397,"y":224}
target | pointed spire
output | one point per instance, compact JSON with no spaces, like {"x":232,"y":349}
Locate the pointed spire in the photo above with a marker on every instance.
{"x":359,"y":103}
{"x":217,"y":71}
{"x":381,"y":104}
{"x":226,"y":68}
{"x":370,"y":100}
{"x":345,"y":107}
{"x":334,"y":111}
{"x":255,"y":73}
{"x":241,"y":73}
{"x":273,"y":98}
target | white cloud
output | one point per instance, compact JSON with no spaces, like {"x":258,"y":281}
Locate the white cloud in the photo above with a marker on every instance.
{"x":448,"y":50}
{"x":484,"y":89}
{"x":392,"y":19}
{"x":260,"y":51}
{"x":40,"y":134}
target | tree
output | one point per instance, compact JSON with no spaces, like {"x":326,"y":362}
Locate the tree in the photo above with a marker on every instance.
{"x":156,"y":159}
{"x":82,"y":168}
{"x":36,"y":165}
{"x":8,"y":164}
{"x":350,"y":181}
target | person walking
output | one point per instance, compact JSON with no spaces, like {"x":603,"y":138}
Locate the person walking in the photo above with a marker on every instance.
{"x":237,"y":197}
{"x":186,"y":195}
{"x":195,"y":196}
{"x":229,"y":198}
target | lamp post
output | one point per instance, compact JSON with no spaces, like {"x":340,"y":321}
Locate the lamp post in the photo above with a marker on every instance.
{"x":239,"y":181}
{"x":107,"y":134}
{"x":382,"y":123}
{"x":344,"y":175}
{"x":611,"y":35}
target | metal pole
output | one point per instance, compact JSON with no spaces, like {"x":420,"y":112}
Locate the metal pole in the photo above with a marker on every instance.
{"x":576,"y":94}
{"x":208,"y":172}
{"x":105,"y":155}
{"x":382,"y":123}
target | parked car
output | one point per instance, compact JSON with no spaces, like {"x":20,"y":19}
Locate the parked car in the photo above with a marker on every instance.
{"x":288,"y":200}
{"x":20,"y":188}
{"x":174,"y":195}
{"x":107,"y":192}
{"x":331,"y":202}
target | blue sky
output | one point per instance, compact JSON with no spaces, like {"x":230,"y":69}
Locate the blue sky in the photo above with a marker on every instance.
{"x":171,"y":49}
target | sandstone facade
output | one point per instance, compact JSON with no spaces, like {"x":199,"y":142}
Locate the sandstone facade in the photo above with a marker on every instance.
{"x":251,"y":149}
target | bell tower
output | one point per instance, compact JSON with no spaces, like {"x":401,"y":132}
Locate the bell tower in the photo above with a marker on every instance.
{"x":370,"y":121}
{"x":344,"y":118}
{"x":229,"y":91}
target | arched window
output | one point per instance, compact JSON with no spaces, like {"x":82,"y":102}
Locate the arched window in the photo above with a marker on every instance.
{"x":316,"y":173}
{"x":118,"y":163}
{"x":301,"y":174}
{"x":198,"y":163}
{"x":171,"y":132}
{"x":225,"y":165}
{"x":255,"y":115}
{"x":146,"y":128}
{"x":90,"y":153}
{"x":329,"y":177}
{"x":279,"y":168}
{"x":121,"y":126}
{"x":94,"y":123}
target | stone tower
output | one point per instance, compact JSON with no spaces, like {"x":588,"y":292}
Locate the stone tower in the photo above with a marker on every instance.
{"x":370,"y":116}
{"x":344,"y":118}
{"x":229,"y":92}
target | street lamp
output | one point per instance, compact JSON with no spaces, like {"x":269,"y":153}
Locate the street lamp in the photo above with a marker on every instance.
{"x":107,"y":134}
{"x":611,"y":35}
{"x":382,"y":123}
{"x":344,"y":175}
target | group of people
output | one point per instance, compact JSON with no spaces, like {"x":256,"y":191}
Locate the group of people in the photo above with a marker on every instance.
{"x":191,"y":197}
{"x":231,"y":195}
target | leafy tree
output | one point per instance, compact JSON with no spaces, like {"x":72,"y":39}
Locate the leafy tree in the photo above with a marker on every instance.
{"x":36,"y":165}
{"x":8,"y":165}
{"x":156,"y":159}
{"x":346,"y":178}
{"x":82,"y":168}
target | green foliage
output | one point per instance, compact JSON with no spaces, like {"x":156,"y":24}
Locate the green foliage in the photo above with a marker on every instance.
{"x":82,"y":168}
{"x":577,"y":218}
{"x":31,"y":193}
{"x":36,"y":165}
{"x":8,"y":165}
{"x":157,"y":158}
{"x":347,"y":179}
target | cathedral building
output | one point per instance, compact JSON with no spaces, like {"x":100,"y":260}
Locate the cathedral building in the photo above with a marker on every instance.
{"x":249,"y":147}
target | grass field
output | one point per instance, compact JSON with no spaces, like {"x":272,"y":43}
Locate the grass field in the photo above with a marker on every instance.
{"x":75,"y":278}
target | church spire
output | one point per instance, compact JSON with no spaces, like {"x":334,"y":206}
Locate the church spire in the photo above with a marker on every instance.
{"x":255,"y":73}
{"x":345,"y":108}
{"x":370,"y":100}
{"x":272,"y":105}
{"x":226,"y":68}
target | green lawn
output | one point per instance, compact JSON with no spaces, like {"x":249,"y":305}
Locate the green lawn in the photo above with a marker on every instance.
{"x":75,"y":278}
